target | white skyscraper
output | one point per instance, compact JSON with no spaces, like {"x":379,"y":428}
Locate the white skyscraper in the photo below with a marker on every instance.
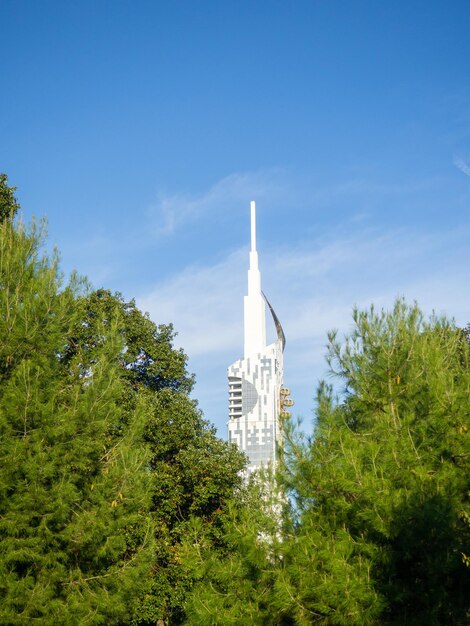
{"x":256,"y":396}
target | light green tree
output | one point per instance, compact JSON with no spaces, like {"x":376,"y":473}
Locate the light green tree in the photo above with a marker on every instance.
{"x":75,"y":535}
{"x":387,"y":471}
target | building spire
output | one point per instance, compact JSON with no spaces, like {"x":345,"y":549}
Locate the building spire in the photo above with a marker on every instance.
{"x":255,"y":310}
{"x":253,"y":225}
{"x":254,"y":277}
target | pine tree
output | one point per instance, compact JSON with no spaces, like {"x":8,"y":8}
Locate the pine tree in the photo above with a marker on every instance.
{"x":382,"y":487}
{"x":75,"y":535}
{"x":107,"y":458}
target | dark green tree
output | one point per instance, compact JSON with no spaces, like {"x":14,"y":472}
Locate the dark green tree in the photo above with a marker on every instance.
{"x":8,"y":204}
{"x":193,"y":473}
{"x":75,"y":535}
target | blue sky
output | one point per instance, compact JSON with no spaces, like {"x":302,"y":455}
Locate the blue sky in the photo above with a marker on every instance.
{"x":143,"y":129}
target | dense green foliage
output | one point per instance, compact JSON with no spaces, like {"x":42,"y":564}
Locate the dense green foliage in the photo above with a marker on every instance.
{"x":376,"y":533}
{"x":74,"y":534}
{"x":192,"y":472}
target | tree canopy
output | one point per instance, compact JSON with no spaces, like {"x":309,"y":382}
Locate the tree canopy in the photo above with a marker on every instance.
{"x":75,"y":536}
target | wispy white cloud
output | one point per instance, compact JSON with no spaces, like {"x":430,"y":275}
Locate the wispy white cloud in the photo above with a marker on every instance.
{"x":357,"y":199}
{"x":172,"y":211}
{"x":462,"y":166}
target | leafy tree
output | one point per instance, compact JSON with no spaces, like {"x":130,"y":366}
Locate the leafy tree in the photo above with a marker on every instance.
{"x":75,"y":535}
{"x":148,"y":360}
{"x":8,"y":204}
{"x":192,"y":472}
{"x":195,"y":475}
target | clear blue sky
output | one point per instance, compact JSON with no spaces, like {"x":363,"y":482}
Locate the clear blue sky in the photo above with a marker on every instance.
{"x":143,"y":129}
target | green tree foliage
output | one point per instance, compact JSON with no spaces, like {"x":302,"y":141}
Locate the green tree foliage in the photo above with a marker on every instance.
{"x":8,"y":204}
{"x":237,"y":576}
{"x":388,"y":469}
{"x":380,"y":493}
{"x":192,"y":472}
{"x":75,"y":534}
{"x":195,"y":475}
{"x":148,"y":360}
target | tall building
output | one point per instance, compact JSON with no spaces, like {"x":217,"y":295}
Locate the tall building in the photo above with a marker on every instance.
{"x":257,"y":398}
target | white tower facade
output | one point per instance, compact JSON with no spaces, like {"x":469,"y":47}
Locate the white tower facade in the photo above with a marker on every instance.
{"x":255,"y":381}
